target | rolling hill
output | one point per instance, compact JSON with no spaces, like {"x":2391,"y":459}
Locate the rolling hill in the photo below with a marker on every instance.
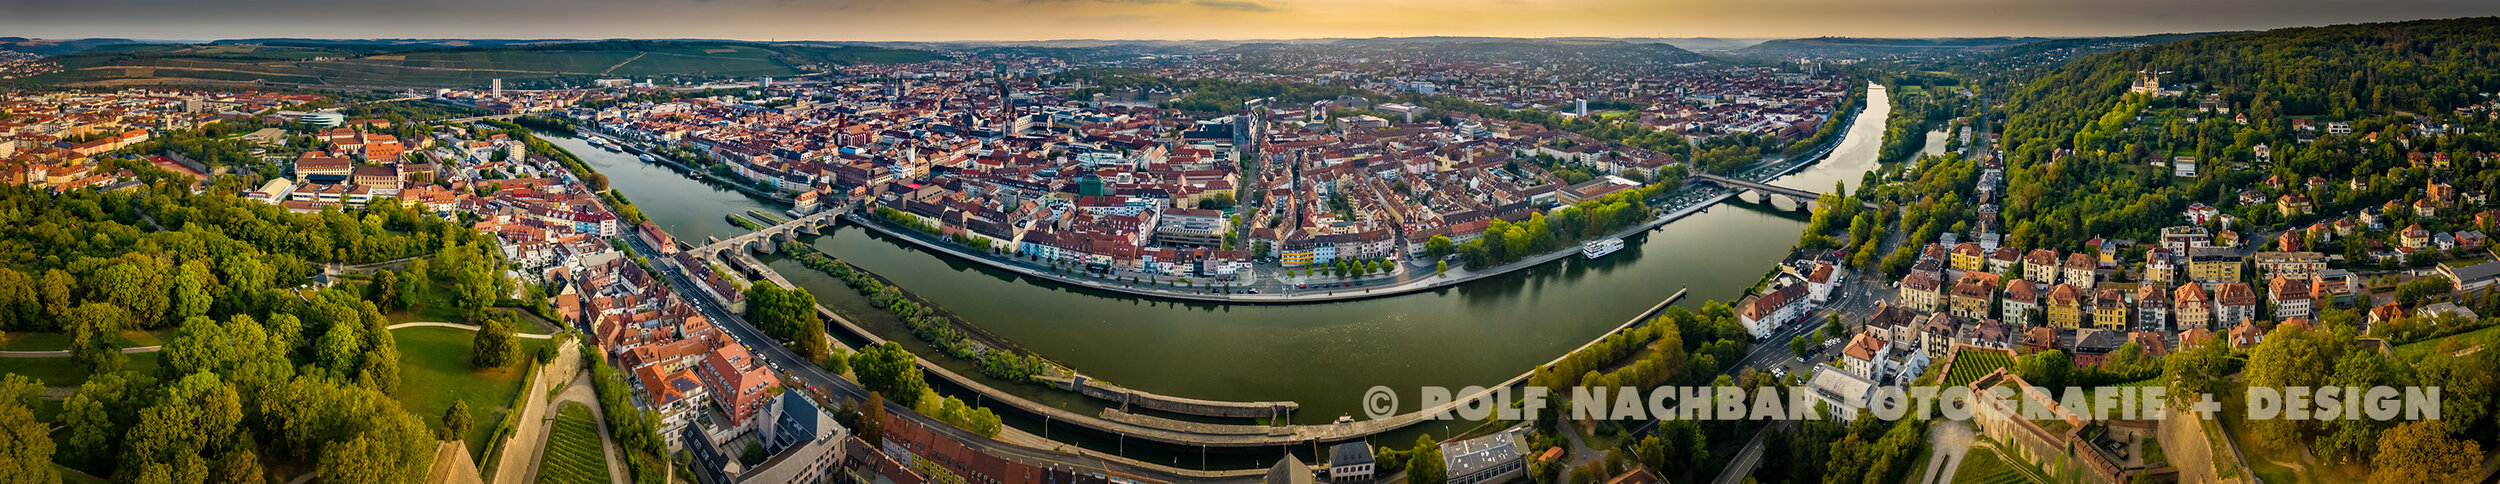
{"x":366,"y":64}
{"x":1870,"y":47}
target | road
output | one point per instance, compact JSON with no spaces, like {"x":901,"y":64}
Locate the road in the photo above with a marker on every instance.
{"x":815,"y":378}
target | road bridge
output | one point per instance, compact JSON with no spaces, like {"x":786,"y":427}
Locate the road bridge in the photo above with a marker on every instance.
{"x":1805,"y":199}
{"x":764,"y":240}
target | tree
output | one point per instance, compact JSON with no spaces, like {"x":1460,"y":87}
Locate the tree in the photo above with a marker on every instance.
{"x":456,"y":421}
{"x":1798,"y":345}
{"x":1439,"y":246}
{"x":94,"y":334}
{"x":385,"y":292}
{"x":2422,"y":452}
{"x":495,"y":345}
{"x":2198,"y":369}
{"x":1424,"y":462}
{"x":872,"y":419}
{"x":888,"y":369}
{"x":194,"y":290}
{"x":753,"y":454}
{"x":598,"y":182}
{"x":25,"y":443}
{"x":837,"y":362}
{"x":2045,"y":369}
{"x":788,"y":314}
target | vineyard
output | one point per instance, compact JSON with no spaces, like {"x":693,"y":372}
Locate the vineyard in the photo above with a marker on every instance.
{"x":1969,"y":365}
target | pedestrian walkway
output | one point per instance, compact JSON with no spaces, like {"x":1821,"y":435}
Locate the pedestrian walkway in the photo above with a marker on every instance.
{"x":152,"y":349}
{"x":580,"y":392}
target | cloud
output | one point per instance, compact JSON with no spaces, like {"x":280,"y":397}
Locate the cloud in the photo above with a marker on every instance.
{"x":1239,"y":5}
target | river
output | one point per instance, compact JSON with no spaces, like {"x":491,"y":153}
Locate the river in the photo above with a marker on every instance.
{"x":1323,"y":356}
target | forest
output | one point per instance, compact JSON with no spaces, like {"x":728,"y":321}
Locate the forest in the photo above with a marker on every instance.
{"x":2076,"y":126}
{"x":260,"y":366}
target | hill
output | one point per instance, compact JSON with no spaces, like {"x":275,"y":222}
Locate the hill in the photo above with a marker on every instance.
{"x":1599,"y":52}
{"x":2379,"y":78}
{"x":1869,"y":47}
{"x":55,"y":46}
{"x":364,"y":64}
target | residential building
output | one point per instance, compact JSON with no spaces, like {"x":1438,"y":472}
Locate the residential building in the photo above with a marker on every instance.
{"x":1922,"y":291}
{"x":2235,"y":305}
{"x":2191,"y":308}
{"x":2041,"y":266}
{"x":1864,"y":356}
{"x":2294,"y":265}
{"x":2021,"y":303}
{"x":1767,"y":313}
{"x":2152,"y":308}
{"x":2213,"y":265}
{"x":801,"y":442}
{"x":1971,"y":296}
{"x":2289,"y":297}
{"x":2109,"y":310}
{"x":2160,"y":267}
{"x":2065,"y":306}
{"x":1350,"y":462}
{"x":2078,"y":270}
{"x":737,"y":382}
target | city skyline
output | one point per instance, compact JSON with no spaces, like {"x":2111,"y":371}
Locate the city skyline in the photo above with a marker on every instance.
{"x":1045,"y":20}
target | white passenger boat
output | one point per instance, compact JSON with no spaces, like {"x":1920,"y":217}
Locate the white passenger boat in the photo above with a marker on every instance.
{"x":1599,"y":248}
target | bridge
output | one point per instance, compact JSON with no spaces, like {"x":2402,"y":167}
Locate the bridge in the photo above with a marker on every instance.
{"x":475,"y":118}
{"x":765,"y":239}
{"x":1804,"y":199}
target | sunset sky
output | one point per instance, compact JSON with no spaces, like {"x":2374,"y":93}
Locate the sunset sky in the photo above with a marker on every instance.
{"x":1180,"y":19}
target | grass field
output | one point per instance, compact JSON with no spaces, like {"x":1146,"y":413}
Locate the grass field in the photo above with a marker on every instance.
{"x":72,"y":476}
{"x":61,"y":372}
{"x":575,"y":455}
{"x":1984,"y":465}
{"x":60,"y":341}
{"x":434,"y":371}
{"x":1968,"y":366}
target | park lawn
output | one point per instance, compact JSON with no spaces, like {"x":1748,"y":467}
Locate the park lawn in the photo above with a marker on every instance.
{"x":61,"y":372}
{"x":60,"y":341}
{"x":575,"y":454}
{"x":73,"y":476}
{"x":434,"y":371}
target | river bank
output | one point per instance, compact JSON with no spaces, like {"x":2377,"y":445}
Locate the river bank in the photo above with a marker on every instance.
{"x":1321,"y":355}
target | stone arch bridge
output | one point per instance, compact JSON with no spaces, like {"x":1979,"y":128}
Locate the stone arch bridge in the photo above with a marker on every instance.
{"x":1805,"y":199}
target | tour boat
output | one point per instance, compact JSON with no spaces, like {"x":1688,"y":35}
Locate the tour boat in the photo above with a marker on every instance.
{"x":1599,"y":248}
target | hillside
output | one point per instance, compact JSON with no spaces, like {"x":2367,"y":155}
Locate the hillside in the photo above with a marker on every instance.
{"x":2379,"y":78}
{"x":375,"y":65}
{"x":1606,"y":52}
{"x":1868,"y":47}
{"x":54,"y":46}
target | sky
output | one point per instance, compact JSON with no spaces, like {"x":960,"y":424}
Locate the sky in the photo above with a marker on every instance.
{"x":944,"y":20}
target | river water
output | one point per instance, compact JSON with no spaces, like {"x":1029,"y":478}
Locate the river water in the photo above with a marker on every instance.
{"x":1323,"y":356}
